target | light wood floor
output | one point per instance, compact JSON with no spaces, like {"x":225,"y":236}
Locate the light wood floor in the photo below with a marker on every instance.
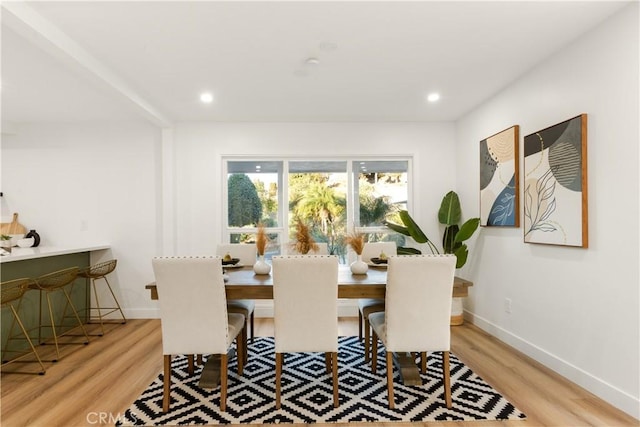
{"x":93,"y":384}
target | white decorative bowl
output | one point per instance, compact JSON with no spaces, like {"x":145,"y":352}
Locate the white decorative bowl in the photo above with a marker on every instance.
{"x":15,"y":238}
{"x":26,"y":243}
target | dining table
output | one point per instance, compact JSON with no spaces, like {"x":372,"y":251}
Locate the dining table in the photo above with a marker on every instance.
{"x":242,"y":283}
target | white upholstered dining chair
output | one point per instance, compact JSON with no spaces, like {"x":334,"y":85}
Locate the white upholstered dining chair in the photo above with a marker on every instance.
{"x":305,"y":298}
{"x":417,"y":313}
{"x":246,"y":253}
{"x":193,"y":315}
{"x":366,"y":306}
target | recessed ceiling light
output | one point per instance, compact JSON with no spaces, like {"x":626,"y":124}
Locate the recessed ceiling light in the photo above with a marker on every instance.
{"x":206,"y":97}
{"x":312,"y":61}
{"x":433,"y":97}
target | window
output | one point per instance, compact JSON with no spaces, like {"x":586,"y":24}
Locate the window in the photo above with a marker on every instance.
{"x":330,"y":196}
{"x":382,"y":190}
{"x":254,"y":196}
{"x":318,"y":198}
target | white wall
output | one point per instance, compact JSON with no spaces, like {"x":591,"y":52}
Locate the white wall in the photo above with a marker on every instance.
{"x":199,"y":149}
{"x":575,"y":310}
{"x":103,"y":183}
{"x":86,"y":184}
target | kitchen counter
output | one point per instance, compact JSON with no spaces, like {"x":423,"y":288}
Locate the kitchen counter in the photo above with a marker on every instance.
{"x":34,"y":262}
{"x":20,"y":254}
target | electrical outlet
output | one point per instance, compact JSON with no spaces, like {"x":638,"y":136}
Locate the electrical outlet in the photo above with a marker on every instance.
{"x":507,"y":305}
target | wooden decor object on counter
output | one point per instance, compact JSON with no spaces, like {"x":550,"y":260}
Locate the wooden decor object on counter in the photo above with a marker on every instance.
{"x":13,"y":227}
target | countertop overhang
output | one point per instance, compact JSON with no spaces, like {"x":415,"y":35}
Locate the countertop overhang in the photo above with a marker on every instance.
{"x":20,"y":254}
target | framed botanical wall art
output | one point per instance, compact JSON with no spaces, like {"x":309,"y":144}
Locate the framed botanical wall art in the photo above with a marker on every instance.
{"x":555,"y":184}
{"x":499,"y":178}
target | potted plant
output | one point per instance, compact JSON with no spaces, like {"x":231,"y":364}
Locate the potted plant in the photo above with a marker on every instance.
{"x":449,"y":215}
{"x":5,"y":243}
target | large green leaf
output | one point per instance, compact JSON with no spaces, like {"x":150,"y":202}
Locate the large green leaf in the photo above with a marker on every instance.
{"x":461,"y":255}
{"x":448,"y":238}
{"x":408,"y":251}
{"x":467,"y":229}
{"x":414,"y":229}
{"x":450,"y":211}
{"x":397,"y":228}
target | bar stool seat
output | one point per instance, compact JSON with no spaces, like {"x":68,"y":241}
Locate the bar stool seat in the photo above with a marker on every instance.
{"x":11,"y":292}
{"x":96,"y":272}
{"x":56,"y":282}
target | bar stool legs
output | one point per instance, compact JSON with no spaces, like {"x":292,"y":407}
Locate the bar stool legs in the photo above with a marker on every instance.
{"x":13,"y":290}
{"x":53,"y":282}
{"x":100,"y":271}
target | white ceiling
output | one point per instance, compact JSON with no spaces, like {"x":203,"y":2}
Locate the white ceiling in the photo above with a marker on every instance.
{"x":76,"y":61}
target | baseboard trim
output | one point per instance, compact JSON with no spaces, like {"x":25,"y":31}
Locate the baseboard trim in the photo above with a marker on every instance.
{"x":142,"y":313}
{"x":609,"y":393}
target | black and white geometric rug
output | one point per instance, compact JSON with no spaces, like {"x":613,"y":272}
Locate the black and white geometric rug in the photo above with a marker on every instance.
{"x":307,"y":394}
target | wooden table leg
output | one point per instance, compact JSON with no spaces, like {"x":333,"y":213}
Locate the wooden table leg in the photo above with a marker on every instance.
{"x":210,"y":376}
{"x":409,"y":371}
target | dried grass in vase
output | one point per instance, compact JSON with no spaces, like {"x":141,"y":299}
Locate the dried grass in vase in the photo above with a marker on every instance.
{"x":356,"y":241}
{"x":304,"y":241}
{"x":261,"y":240}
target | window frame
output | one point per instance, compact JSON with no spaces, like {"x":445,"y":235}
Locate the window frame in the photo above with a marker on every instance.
{"x":282,"y":230}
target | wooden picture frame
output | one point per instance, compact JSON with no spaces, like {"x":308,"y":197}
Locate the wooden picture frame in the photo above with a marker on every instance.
{"x":555,"y":184}
{"x":499,"y":179}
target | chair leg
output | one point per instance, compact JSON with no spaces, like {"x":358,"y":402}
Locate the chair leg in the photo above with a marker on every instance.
{"x":446,"y":374}
{"x":423,"y":362}
{"x":278,"y":375}
{"x":223,"y":382}
{"x":95,"y":295}
{"x":327,"y":362}
{"x":124,"y":319}
{"x":75,"y":313}
{"x":374,"y":352}
{"x":360,"y":320}
{"x":242,"y":352}
{"x":253,"y":330}
{"x":367,"y":339}
{"x":334,"y":363}
{"x":24,"y":331}
{"x":10,"y":335}
{"x":199,"y":359}
{"x":166,"y":397}
{"x":53,"y":329}
{"x":245,"y":345}
{"x":190,"y":364}
{"x":390,"y":379}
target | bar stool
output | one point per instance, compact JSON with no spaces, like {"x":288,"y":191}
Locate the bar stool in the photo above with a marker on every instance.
{"x":54,"y":282}
{"x":100,"y":271}
{"x":12,"y":291}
